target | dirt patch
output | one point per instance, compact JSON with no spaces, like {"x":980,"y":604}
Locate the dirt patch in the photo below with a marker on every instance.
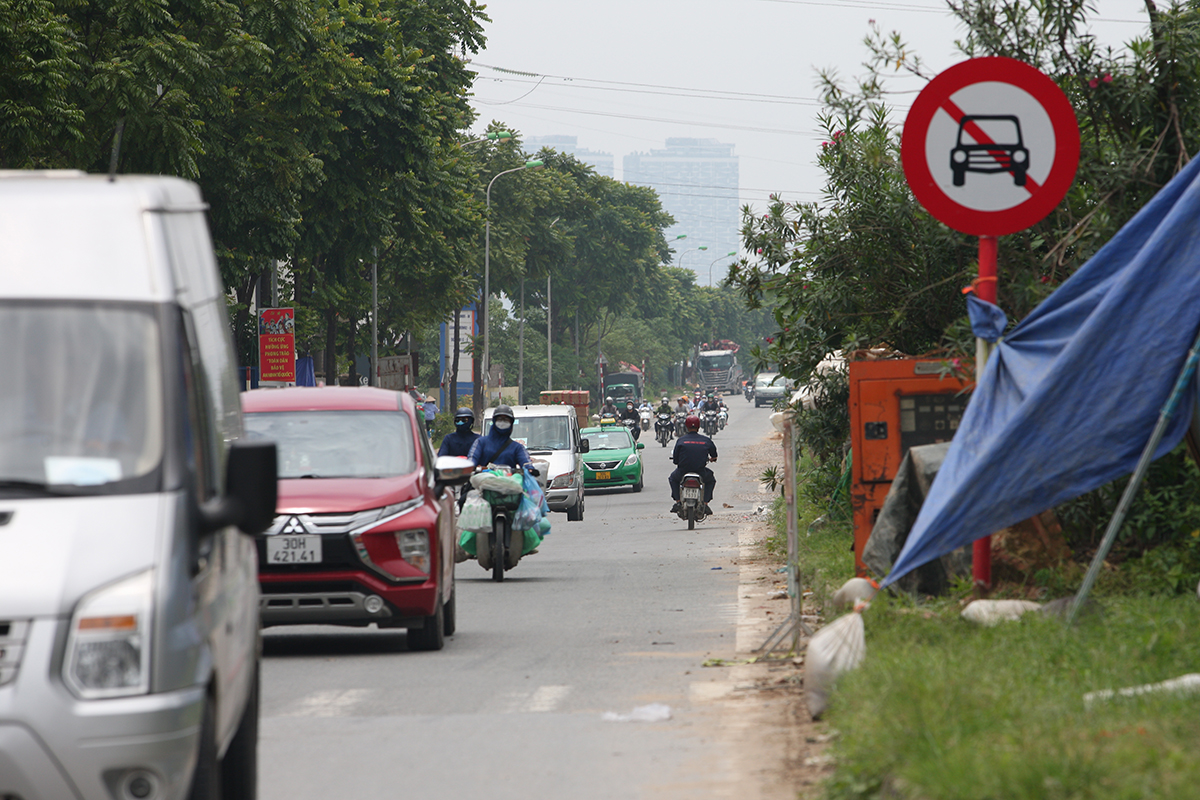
{"x":775,"y":749}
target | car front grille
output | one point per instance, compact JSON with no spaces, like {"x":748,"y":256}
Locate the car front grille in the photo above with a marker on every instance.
{"x":597,"y":466}
{"x":12,"y":646}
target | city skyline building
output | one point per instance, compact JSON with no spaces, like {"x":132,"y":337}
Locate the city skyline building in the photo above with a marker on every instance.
{"x":603,"y":163}
{"x":697,"y":181}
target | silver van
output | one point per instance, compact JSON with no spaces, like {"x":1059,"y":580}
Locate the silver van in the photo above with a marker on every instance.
{"x":129,"y":634}
{"x":551,"y":433}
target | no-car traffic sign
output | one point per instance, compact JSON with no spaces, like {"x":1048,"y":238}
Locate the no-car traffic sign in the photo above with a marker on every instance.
{"x":990,"y":146}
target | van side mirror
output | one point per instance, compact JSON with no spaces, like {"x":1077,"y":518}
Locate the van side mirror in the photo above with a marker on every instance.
{"x":251,"y":489}
{"x":584,"y":446}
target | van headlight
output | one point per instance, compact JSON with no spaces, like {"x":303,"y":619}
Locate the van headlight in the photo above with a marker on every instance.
{"x":108,"y":646}
{"x":563,"y":481}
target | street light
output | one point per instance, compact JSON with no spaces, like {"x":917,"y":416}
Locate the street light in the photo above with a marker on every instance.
{"x":491,"y":137}
{"x":487,"y":270}
{"x":692,"y":250}
{"x":715,"y":260}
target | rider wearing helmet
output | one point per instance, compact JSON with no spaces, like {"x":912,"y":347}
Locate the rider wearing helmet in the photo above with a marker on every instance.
{"x":609,"y":409}
{"x":692,"y":453}
{"x":459,"y":443}
{"x":681,"y":405}
{"x":498,"y":447}
{"x":664,"y":407}
{"x":631,"y":413}
{"x":710,"y":404}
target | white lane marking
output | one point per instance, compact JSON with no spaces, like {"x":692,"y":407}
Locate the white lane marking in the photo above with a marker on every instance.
{"x":547,"y":698}
{"x":328,"y":703}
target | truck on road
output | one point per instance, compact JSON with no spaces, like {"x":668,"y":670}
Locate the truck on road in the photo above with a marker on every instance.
{"x":718,"y":370}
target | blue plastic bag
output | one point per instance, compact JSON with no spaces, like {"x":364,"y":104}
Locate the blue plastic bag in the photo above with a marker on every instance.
{"x":528,"y":514}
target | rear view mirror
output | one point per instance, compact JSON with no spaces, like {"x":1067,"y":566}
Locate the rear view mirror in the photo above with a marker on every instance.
{"x":584,"y":446}
{"x":251,"y":489}
{"x":452,"y":470}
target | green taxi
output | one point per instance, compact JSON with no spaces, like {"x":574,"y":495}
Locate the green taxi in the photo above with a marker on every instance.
{"x":612,"y":458}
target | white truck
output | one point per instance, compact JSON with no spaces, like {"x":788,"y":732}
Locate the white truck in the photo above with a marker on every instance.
{"x":719,"y":371}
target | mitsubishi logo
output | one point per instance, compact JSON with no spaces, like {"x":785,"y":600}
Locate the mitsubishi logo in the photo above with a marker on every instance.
{"x":294,"y":525}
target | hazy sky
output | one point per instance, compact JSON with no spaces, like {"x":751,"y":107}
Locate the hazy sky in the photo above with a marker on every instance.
{"x":622,"y":76}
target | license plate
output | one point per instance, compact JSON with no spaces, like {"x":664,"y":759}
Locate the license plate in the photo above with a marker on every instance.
{"x":294,"y":550}
{"x":691,"y":494}
{"x":603,"y":476}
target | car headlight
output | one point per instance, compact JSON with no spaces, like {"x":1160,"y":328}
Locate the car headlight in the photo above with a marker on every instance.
{"x":414,"y":548}
{"x":633,"y":459}
{"x":108,"y":646}
{"x":563,"y":481}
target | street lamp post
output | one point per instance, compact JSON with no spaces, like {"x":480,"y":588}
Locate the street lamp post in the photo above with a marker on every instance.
{"x":485,"y":373}
{"x":692,"y":250}
{"x":715,"y":260}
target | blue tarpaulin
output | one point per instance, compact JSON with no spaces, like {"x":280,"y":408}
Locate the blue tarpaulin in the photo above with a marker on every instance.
{"x":1069,"y":398}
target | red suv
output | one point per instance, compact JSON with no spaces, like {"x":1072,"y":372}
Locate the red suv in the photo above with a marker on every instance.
{"x":365,"y":528}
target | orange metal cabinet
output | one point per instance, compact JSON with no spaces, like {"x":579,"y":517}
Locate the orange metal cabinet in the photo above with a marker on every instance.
{"x":894,"y":405}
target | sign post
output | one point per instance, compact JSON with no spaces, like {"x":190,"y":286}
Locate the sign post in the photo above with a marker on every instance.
{"x":276,"y":347}
{"x":990,"y":147}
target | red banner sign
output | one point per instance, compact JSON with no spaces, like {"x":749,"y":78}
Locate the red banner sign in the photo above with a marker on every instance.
{"x":276,"y":345}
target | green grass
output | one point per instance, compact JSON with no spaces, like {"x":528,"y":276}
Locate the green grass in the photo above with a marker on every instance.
{"x":945,"y":709}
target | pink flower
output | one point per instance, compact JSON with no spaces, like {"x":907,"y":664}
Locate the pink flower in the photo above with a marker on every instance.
{"x":1045,"y":279}
{"x":1107,"y":77}
{"x":1093,"y":83}
{"x":956,"y":362}
{"x":760,"y":251}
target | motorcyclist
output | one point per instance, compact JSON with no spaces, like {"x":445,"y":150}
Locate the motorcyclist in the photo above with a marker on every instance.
{"x":710,"y":404}
{"x":681,"y":405}
{"x":631,"y":413}
{"x":664,"y":407}
{"x":498,"y":447}
{"x":609,"y":409}
{"x":692,"y":453}
{"x":459,"y":443}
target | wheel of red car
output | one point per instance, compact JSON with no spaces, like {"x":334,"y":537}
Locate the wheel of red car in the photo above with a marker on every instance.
{"x":432,"y":634}
{"x":450,"y":616}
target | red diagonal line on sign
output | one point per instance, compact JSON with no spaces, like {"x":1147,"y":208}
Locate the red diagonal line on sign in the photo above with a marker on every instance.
{"x":976,"y":132}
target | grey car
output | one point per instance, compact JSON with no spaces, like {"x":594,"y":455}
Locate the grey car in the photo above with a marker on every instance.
{"x":769,"y":387}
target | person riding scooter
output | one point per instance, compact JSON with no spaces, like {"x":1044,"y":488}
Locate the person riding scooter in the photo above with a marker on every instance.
{"x":631,"y":413}
{"x":692,"y":453}
{"x":609,"y":409}
{"x":664,"y":407}
{"x":459,"y":443}
{"x":498,"y":447}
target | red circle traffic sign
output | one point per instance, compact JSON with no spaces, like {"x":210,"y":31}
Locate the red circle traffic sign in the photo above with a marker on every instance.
{"x":990,"y":146}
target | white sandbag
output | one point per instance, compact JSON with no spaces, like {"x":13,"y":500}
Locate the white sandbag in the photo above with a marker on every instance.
{"x":993,"y":612}
{"x":497,"y":482}
{"x":852,"y":591}
{"x":837,"y":648}
{"x":476,"y":515}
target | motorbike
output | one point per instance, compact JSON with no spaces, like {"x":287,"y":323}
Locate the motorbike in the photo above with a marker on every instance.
{"x":722,"y":418}
{"x":633,"y":426}
{"x":644,"y":417}
{"x":748,"y":390}
{"x":709,"y":421}
{"x":691,"y":499}
{"x":664,"y":429}
{"x":500,"y":548}
{"x":680,"y":416}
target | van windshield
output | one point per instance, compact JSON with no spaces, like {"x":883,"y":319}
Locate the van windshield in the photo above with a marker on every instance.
{"x":540,"y":433}
{"x":81,"y":408}
{"x":337,"y":444}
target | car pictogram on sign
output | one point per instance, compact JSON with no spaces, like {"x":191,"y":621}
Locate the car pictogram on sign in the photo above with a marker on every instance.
{"x":993,"y":153}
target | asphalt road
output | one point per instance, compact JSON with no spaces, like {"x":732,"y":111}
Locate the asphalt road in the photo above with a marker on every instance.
{"x":613,"y":613}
